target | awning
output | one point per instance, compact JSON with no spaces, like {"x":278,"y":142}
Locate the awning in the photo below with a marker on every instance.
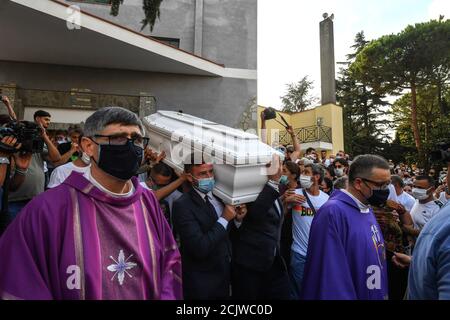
{"x":38,"y":32}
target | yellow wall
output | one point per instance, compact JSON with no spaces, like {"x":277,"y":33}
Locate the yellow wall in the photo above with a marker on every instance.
{"x":332,"y":117}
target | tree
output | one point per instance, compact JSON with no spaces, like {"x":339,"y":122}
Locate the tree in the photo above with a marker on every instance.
{"x":363,"y":109}
{"x":298,"y":96}
{"x":150,"y":7}
{"x":433,"y":127}
{"x":412,"y":59}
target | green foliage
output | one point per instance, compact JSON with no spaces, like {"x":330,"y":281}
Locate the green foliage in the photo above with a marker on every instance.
{"x":390,"y":63}
{"x":363,"y":109}
{"x":151,"y":10}
{"x":297,"y":97}
{"x":433,"y":126}
{"x":413,"y":59}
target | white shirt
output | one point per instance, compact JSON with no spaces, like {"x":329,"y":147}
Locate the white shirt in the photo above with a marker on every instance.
{"x":61,"y":173}
{"x":422,"y":213}
{"x":88,"y":176}
{"x":393,"y":193}
{"x":406,"y":200}
{"x":444,"y":198}
{"x":362,"y":207}
{"x":303,"y":216}
{"x":218,"y":206}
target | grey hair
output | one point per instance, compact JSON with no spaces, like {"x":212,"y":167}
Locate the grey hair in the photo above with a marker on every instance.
{"x":316,"y":169}
{"x":103,"y":117}
{"x":340,"y":183}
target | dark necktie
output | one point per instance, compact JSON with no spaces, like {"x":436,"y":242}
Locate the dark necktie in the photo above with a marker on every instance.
{"x":211,"y":208}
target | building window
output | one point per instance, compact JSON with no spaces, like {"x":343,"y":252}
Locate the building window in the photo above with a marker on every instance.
{"x":173,"y":42}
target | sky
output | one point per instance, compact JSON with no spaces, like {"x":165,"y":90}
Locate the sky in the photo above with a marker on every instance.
{"x":288,"y":35}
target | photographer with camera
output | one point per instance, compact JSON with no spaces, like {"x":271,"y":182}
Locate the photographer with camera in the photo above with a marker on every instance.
{"x":11,"y":162}
{"x":34,"y":176}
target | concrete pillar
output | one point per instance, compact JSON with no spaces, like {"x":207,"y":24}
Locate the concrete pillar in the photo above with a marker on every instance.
{"x":327,"y":63}
{"x":198,"y":28}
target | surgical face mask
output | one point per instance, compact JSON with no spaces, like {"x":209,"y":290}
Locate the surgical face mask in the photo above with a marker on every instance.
{"x":284,"y":180}
{"x":85,"y":158}
{"x":305,"y":182}
{"x":420,"y":194}
{"x":205,"y":185}
{"x":120,"y":161}
{"x":339,"y":172}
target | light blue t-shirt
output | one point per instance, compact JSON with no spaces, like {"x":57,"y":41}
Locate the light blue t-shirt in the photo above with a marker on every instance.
{"x":429,"y":274}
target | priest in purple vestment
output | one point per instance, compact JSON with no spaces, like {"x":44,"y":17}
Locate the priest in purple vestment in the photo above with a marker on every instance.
{"x":346,"y":256}
{"x":99,"y":235}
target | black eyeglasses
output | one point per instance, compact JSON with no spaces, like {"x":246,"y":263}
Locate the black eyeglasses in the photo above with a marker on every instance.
{"x":382,"y":186}
{"x":119,"y":140}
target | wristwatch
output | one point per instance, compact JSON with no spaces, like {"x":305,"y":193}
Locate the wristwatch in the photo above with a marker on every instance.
{"x":4,"y":160}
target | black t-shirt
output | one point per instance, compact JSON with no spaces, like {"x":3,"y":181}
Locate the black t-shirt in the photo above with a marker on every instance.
{"x":64,"y":148}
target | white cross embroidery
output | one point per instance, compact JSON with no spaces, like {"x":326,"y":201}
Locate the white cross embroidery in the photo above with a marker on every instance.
{"x":121,"y":267}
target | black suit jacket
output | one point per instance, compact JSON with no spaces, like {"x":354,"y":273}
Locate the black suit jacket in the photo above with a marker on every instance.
{"x":205,"y":249}
{"x":257,"y":241}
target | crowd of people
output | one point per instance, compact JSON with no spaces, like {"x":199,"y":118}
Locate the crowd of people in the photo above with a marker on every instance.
{"x":99,"y":215}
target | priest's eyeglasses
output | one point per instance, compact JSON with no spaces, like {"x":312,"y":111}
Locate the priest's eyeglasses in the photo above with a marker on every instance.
{"x":121,"y":140}
{"x":379,"y":185}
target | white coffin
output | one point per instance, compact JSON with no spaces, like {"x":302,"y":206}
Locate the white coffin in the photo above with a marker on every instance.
{"x":239,"y":158}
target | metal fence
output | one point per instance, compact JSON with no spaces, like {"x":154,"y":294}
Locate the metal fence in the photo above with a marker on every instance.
{"x":308,"y":134}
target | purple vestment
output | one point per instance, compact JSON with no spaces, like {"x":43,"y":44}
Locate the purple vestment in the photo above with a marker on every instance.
{"x":346,"y":254}
{"x":77,"y":242}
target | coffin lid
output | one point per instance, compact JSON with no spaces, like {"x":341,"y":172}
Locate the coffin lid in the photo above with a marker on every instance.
{"x":221,"y":142}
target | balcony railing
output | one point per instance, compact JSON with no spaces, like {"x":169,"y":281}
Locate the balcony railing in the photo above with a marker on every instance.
{"x":308,"y":134}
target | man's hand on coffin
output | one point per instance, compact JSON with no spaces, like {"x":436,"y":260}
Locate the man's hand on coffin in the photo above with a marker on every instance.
{"x":160,"y":157}
{"x":241,"y":212}
{"x":275,"y":168}
{"x":182,"y":175}
{"x":229,"y":213}
{"x":150,"y":155}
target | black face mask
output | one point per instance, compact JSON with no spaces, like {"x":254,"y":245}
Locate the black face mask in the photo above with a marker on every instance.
{"x":122,"y":162}
{"x":378,"y":198}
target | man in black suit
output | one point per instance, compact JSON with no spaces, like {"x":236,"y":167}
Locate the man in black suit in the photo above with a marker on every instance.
{"x":259,"y":271}
{"x":203,"y":223}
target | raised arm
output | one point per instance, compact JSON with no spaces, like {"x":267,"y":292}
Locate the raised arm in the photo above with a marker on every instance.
{"x":296,"y":154}
{"x":263,"y":128}
{"x":167,"y":190}
{"x":8,"y":105}
{"x":53,"y":153}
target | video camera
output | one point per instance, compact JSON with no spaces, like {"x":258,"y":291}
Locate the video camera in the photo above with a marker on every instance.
{"x":271,"y":113}
{"x":27,"y":133}
{"x":441,"y":154}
